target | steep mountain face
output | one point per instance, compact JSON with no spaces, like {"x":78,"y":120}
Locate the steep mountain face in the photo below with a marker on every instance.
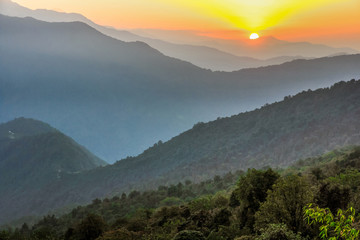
{"x":32,"y":154}
{"x":305,"y":125}
{"x":234,"y":56}
{"x":122,"y":97}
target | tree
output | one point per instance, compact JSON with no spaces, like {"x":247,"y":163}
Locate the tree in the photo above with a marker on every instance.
{"x":284,"y":204}
{"x":252,"y":188}
{"x":46,"y":228}
{"x":278,"y":232}
{"x":4,"y":235}
{"x":333,"y":195}
{"x":91,"y":227}
{"x":189,"y":234}
{"x":119,"y":234}
{"x":251,"y":191}
{"x":25,"y":231}
{"x":222,"y":218}
{"x":341,"y":226}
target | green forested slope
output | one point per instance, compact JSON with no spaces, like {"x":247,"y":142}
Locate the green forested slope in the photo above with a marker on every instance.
{"x":305,"y":125}
{"x":263,"y":205}
{"x":32,"y":154}
{"x":301,"y":126}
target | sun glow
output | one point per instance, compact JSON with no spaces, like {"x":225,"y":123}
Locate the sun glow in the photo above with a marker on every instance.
{"x":255,"y":15}
{"x":254,"y":36}
{"x":295,"y":20}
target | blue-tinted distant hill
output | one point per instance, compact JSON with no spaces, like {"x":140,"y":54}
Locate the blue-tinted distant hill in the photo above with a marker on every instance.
{"x":32,"y":155}
{"x":118,"y":98}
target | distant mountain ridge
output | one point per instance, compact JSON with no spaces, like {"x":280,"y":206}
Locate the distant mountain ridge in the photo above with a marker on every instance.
{"x":122,"y":97}
{"x":206,"y":56}
{"x":263,"y":48}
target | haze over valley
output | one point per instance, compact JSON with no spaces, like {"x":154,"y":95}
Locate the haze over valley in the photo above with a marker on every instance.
{"x":178,"y":120}
{"x":129,"y":94}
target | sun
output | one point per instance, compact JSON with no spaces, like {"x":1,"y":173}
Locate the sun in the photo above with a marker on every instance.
{"x":254,"y":36}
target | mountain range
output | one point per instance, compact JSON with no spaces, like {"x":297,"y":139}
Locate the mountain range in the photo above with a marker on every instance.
{"x":118,"y":98}
{"x":208,"y":53}
{"x":263,"y":48}
{"x":305,"y":125}
{"x":73,"y":93}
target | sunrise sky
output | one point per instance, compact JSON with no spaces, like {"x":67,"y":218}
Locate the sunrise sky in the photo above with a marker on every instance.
{"x":334,"y":22}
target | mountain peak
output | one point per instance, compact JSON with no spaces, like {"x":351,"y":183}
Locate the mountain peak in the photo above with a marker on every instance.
{"x":21,"y":127}
{"x":42,"y":143}
{"x":11,"y":8}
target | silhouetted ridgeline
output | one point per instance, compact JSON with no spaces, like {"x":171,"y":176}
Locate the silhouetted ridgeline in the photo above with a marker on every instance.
{"x":235,"y":57}
{"x":118,"y":98}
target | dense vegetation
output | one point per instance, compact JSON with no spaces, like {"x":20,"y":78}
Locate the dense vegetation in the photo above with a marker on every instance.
{"x":264,"y":204}
{"x":307,"y":124}
{"x":32,"y":154}
{"x":83,"y":75}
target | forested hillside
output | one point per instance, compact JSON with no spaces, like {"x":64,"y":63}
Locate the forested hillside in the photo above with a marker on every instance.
{"x":264,"y":204}
{"x":200,"y":120}
{"x":33,"y":154}
{"x":305,"y":125}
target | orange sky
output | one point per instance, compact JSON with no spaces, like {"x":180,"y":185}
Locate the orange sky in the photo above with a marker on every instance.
{"x":334,"y":22}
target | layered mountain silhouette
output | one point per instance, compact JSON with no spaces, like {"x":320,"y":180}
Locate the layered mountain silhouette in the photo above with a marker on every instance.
{"x":305,"y":125}
{"x":262,"y":48}
{"x":209,"y":53}
{"x":118,"y":98}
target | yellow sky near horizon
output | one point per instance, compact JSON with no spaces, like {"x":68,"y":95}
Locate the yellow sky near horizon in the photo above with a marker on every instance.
{"x":317,"y":20}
